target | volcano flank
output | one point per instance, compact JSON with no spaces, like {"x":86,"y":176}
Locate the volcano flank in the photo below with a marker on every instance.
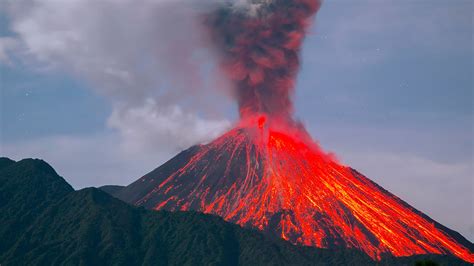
{"x":275,"y":179}
{"x":267,"y":173}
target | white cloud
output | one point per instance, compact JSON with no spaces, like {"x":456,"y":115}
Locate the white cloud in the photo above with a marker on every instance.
{"x":147,"y":58}
{"x":126,"y":50}
{"x":7,"y":44}
{"x":152,"y":127}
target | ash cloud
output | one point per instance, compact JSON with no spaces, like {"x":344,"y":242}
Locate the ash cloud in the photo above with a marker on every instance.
{"x":259,"y":47}
{"x":149,"y":55}
{"x":174,"y":55}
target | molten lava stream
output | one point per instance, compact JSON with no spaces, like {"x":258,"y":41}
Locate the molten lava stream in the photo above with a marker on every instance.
{"x":270,"y":175}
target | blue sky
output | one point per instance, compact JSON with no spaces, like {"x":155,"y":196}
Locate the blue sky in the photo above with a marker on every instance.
{"x":386,"y":85}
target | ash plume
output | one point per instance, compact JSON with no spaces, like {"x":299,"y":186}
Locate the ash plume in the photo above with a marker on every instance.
{"x":259,"y":46}
{"x":147,"y":59}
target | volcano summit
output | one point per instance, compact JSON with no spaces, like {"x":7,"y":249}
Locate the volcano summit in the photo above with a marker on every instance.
{"x":277,"y":181}
{"x":267,"y":173}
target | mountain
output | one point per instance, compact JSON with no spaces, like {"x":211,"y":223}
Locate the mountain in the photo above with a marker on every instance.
{"x":27,"y":188}
{"x":281,"y":183}
{"x":111,"y":189}
{"x":5,"y":162}
{"x":45,"y":222}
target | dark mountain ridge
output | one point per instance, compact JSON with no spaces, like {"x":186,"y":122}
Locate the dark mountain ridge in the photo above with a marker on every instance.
{"x":45,"y":222}
{"x":111,"y":189}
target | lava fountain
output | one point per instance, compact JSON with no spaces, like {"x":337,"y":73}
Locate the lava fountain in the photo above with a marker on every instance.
{"x":267,"y":172}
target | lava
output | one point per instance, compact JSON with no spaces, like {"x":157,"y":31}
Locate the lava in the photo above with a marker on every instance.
{"x":275,"y":179}
{"x":267,"y":172}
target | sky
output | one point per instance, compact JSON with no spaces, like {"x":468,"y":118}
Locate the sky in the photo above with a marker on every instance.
{"x":106,"y":91}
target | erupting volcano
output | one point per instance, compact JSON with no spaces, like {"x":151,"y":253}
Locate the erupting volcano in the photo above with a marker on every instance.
{"x":267,"y":172}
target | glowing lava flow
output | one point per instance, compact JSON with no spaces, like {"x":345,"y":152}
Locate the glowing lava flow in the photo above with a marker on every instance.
{"x":277,"y":180}
{"x":267,"y":173}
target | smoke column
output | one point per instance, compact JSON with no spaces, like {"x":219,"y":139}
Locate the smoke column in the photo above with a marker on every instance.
{"x":259,"y":47}
{"x":273,"y":176}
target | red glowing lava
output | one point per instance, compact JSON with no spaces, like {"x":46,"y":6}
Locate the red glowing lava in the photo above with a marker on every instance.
{"x":276,"y":179}
{"x":261,"y":121}
{"x":267,"y":173}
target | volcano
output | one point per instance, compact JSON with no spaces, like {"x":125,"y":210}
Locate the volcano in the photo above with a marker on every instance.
{"x":276,"y":179}
{"x":267,"y":173}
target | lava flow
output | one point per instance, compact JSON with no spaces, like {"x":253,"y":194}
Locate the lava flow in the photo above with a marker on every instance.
{"x":278,"y":181}
{"x":267,"y":172}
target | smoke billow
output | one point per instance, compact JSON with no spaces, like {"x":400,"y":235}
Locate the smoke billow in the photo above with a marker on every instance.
{"x":259,"y":44}
{"x":148,"y":59}
{"x":154,"y":56}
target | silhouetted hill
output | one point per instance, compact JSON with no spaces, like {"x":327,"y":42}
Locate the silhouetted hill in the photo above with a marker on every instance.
{"x":111,"y":189}
{"x":45,"y":222}
{"x":27,"y":188}
{"x":4,"y":162}
{"x":48,"y":223}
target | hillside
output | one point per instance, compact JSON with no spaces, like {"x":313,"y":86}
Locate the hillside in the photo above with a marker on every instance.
{"x":45,"y":222}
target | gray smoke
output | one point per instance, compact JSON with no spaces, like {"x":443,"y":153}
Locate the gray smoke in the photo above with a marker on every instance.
{"x":150,"y":59}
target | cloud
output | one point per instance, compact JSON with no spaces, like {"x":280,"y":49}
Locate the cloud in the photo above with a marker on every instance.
{"x":7,"y":44}
{"x":149,"y":59}
{"x":152,"y":127}
{"x":128,"y":51}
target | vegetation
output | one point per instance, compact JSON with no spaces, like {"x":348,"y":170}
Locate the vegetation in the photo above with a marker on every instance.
{"x":426,"y":263}
{"x":44,"y":221}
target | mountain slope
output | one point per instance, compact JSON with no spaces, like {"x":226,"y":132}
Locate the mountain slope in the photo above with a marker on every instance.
{"x":5,"y":162}
{"x":276,"y":181}
{"x":111,"y":189}
{"x":91,"y":227}
{"x":27,"y":188}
